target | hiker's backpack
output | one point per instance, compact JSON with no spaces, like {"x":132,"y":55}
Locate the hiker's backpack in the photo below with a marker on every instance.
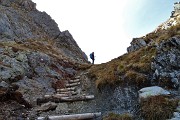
{"x":91,"y":56}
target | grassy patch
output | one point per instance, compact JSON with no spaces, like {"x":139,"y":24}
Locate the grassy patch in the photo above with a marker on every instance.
{"x":136,"y":64}
{"x":160,"y":35}
{"x":158,"y":108}
{"x":113,"y":116}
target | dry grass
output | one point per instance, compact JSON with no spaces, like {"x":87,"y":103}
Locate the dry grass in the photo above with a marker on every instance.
{"x":136,"y":63}
{"x":44,"y":46}
{"x":163,"y":34}
{"x":113,"y":116}
{"x":157,"y":108}
{"x":136,"y":78}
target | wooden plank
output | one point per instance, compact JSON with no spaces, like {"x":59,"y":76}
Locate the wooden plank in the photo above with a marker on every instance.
{"x":74,"y":81}
{"x":58,"y":99}
{"x":73,"y":84}
{"x":73,"y":117}
{"x":66,"y":89}
{"x":69,"y":93}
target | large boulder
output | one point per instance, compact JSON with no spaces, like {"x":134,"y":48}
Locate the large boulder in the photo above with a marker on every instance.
{"x":136,"y":44}
{"x":152,"y":91}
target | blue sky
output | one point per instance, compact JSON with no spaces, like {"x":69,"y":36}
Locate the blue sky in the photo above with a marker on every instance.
{"x":147,"y":15}
{"x":107,"y":26}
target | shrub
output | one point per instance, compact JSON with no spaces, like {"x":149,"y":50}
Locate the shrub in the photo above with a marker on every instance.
{"x":136,"y":78}
{"x":157,"y":108}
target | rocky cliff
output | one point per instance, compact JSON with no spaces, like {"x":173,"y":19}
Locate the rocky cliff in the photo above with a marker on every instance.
{"x":34,"y":56}
{"x":20,"y":22}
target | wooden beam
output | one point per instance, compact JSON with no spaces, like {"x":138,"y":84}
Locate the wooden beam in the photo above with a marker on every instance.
{"x":73,"y":84}
{"x":74,"y":81}
{"x":66,"y":89}
{"x":58,"y":99}
{"x":73,"y":117}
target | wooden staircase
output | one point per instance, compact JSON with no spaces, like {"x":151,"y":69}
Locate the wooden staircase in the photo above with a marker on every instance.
{"x":71,"y":92}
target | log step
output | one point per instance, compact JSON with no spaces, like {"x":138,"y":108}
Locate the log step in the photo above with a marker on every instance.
{"x":77,"y":77}
{"x":74,"y":81}
{"x":73,"y":117}
{"x":73,"y":84}
{"x":58,"y":99}
{"x":68,"y":92}
{"x":56,"y":96}
{"x":66,"y":89}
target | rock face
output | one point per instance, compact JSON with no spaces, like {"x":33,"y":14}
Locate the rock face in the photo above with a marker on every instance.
{"x":34,"y":54}
{"x":21,"y":21}
{"x":166,"y":63}
{"x":136,"y":44}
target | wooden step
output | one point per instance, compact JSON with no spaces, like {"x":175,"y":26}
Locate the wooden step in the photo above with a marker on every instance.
{"x":77,"y":77}
{"x":68,"y":93}
{"x":58,"y":99}
{"x":72,"y":84}
{"x":66,"y":89}
{"x":74,"y":81}
{"x":84,"y":116}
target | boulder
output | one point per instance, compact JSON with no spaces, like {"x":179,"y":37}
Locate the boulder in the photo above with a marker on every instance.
{"x":176,"y":116}
{"x":136,"y":44}
{"x":152,"y":91}
{"x":47,"y":106}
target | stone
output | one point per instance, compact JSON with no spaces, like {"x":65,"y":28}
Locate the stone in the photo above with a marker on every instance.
{"x":28,"y":5}
{"x":178,"y":109}
{"x":62,"y":108}
{"x":136,"y":44}
{"x":47,"y":107}
{"x":176,"y":116}
{"x":152,"y":91}
{"x":3,"y":84}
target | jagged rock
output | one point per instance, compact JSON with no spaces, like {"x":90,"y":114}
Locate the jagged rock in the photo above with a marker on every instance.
{"x":35,"y":88}
{"x":9,"y":92}
{"x":28,"y":4}
{"x":136,"y":44}
{"x":176,"y":116}
{"x":3,"y":84}
{"x":66,"y":41}
{"x":166,"y":63}
{"x":20,"y":22}
{"x":152,"y":91}
{"x":12,"y":70}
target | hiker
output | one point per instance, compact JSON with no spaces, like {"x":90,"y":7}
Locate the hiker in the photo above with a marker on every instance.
{"x":92,"y":57}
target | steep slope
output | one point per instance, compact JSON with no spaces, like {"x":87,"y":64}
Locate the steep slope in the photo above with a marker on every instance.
{"x":35,"y":56}
{"x":20,"y":22}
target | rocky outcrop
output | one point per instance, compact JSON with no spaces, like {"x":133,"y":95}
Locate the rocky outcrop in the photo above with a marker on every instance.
{"x":21,"y":21}
{"x":34,"y":55}
{"x":166,"y":63}
{"x":69,"y":46}
{"x":136,"y":44}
